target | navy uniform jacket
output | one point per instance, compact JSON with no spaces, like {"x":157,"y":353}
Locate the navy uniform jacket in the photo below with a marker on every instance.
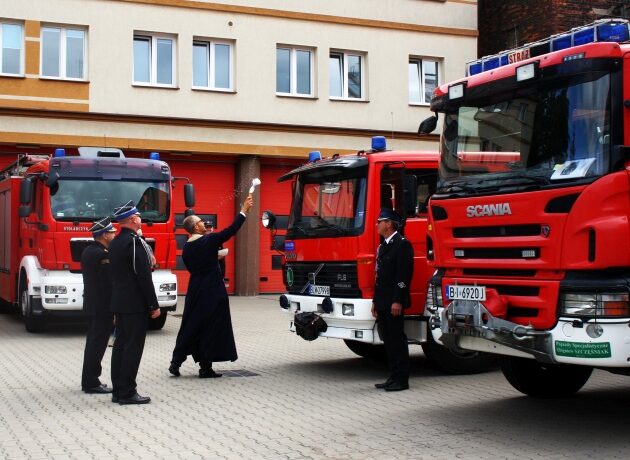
{"x":394,"y":270}
{"x":97,"y":279}
{"x":133,"y":290}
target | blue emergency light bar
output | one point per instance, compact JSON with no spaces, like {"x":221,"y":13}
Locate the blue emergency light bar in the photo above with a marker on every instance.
{"x":604,"y":30}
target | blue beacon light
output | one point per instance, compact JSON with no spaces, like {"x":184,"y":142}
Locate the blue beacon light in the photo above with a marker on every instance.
{"x":314,"y":156}
{"x":60,"y":153}
{"x":154,"y":156}
{"x":379,"y":143}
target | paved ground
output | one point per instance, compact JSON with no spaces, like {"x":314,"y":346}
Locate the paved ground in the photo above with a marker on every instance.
{"x":309,"y":400}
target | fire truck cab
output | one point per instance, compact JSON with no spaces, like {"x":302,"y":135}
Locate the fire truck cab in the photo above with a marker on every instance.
{"x":331,"y":240}
{"x":528,"y":228}
{"x":47,"y":205}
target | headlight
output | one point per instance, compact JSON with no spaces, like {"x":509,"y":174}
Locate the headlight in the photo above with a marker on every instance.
{"x":55,"y":289}
{"x":347,"y":309}
{"x":591,"y":304}
{"x":168,"y":287}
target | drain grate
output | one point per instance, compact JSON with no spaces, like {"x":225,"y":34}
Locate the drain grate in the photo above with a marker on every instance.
{"x":237,"y":373}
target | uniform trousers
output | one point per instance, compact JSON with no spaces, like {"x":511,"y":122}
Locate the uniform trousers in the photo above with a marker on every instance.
{"x":100,"y":327}
{"x":391,"y":330}
{"x":131,"y":331}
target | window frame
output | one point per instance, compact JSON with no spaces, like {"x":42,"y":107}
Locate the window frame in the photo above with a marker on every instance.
{"x":63,"y":44}
{"x":21,"y":74}
{"x":422,"y":76}
{"x":293,"y":71}
{"x":363,"y":63}
{"x":210,"y":45}
{"x":153,"y":40}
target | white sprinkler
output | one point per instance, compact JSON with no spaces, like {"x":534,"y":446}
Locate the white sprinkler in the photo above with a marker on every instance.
{"x":255,"y":183}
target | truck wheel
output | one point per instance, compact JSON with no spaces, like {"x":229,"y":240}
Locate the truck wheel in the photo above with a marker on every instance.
{"x":542,"y":380}
{"x":31,"y":322}
{"x":157,"y":323}
{"x":367,"y":350}
{"x":457,"y":362}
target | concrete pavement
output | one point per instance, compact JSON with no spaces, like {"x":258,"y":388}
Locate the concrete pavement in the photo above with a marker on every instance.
{"x":308,"y":400}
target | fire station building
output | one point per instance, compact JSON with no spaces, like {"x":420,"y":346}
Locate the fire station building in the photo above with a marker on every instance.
{"x":226,"y":91}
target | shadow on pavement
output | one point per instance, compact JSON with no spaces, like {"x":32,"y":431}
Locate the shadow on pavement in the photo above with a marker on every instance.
{"x":359,"y":368}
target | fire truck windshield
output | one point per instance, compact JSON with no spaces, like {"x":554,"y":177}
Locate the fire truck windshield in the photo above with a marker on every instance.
{"x":88,"y":200}
{"x":328,"y":207}
{"x":548,"y":134}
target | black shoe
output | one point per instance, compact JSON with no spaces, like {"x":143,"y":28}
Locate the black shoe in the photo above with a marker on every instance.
{"x":208,"y":374}
{"x":174,"y":370}
{"x":397,"y":386}
{"x":115,"y":398}
{"x":101,"y":390}
{"x":387,"y":382}
{"x":134,"y":399}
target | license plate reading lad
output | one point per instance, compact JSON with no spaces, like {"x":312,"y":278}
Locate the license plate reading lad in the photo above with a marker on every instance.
{"x":461,"y":292}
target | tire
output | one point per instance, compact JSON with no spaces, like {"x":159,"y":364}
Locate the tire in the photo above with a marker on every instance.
{"x":32,"y":323}
{"x":367,"y":350}
{"x":157,"y":323}
{"x":544,"y":380}
{"x":454,"y":362}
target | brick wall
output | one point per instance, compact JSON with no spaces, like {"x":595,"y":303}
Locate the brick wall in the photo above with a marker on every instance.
{"x":505,"y":24}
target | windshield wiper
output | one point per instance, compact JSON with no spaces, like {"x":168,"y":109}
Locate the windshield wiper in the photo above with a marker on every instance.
{"x":328,"y":225}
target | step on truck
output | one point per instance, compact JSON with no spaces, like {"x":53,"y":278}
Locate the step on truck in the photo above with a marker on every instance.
{"x":529,"y":226}
{"x":47,"y":205}
{"x":331,"y":240}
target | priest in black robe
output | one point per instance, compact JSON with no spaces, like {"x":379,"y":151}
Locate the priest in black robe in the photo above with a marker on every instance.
{"x":206,"y":330}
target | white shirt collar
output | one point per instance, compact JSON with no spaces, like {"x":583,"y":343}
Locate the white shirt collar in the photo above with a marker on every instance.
{"x":389,"y":238}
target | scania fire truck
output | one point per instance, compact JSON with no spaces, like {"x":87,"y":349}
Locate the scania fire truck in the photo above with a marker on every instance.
{"x":331,"y":240}
{"x":47,"y":205}
{"x":529,"y":227}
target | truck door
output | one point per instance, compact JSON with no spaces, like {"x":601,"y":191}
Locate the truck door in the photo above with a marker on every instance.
{"x":407,"y":191}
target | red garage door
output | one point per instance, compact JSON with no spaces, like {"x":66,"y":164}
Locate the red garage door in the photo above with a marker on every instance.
{"x":275,"y":197}
{"x":214,"y":197}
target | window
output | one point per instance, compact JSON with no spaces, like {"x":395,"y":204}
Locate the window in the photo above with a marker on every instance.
{"x":11,"y":49}
{"x":346,"y":72}
{"x":423,"y":79}
{"x":154,"y":60}
{"x":212,"y":65}
{"x":63,"y":53}
{"x":294,"y":71}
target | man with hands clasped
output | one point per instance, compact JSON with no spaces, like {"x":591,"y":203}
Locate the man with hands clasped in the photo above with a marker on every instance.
{"x":394,"y":270}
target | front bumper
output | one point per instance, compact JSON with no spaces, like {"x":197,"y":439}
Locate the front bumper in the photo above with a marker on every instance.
{"x":359,"y":326}
{"x":72,"y":299}
{"x":469,"y":325}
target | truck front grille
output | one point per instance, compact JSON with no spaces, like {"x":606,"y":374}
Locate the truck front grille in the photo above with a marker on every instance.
{"x":341,"y":277}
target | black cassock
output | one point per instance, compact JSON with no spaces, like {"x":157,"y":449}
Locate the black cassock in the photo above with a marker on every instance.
{"x":206,"y":330}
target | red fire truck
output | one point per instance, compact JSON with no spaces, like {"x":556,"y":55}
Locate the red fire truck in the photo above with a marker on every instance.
{"x":529,"y":224}
{"x":331,"y":239}
{"x":47,"y":205}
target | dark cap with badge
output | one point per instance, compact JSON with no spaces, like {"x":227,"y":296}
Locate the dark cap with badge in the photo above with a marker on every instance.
{"x":389,"y":214}
{"x":102,"y":226}
{"x":124,"y":211}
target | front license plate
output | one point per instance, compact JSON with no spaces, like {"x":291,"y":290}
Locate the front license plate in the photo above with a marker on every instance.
{"x":319,"y":290}
{"x":583,"y":350}
{"x":462,"y":292}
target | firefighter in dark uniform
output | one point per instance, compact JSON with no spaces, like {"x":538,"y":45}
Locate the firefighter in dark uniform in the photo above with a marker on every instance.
{"x":97,"y":292}
{"x":133,"y":301}
{"x":394,"y":270}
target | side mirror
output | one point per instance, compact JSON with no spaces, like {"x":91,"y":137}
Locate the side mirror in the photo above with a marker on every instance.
{"x":26,"y":191}
{"x":410,"y":196}
{"x":428,"y":125}
{"x":268,"y":219}
{"x":24,"y":210}
{"x":52,"y":178}
{"x":189,"y":195}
